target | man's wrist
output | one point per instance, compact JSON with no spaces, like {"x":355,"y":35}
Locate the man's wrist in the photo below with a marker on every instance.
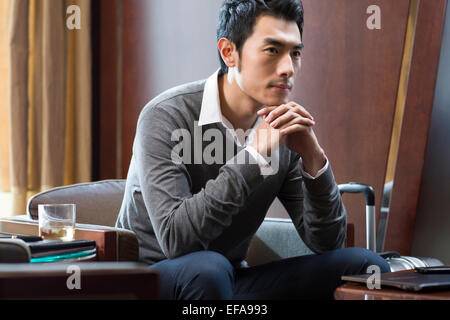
{"x":314,"y":162}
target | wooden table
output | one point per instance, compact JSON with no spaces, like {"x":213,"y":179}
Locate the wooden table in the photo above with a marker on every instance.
{"x":356,"y":291}
{"x":96,"y":280}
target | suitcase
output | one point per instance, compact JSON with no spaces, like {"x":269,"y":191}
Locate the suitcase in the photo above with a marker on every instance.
{"x":396,"y":261}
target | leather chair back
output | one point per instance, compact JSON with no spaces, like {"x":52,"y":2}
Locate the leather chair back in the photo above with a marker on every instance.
{"x":98,"y":203}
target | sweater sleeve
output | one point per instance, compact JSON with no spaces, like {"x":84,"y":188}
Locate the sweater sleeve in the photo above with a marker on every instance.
{"x":315,"y":207}
{"x":184,"y":222}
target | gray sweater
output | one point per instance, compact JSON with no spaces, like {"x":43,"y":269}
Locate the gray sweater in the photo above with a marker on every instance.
{"x":178,"y":207}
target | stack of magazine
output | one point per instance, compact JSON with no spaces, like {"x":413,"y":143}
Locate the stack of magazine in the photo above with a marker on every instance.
{"x":46,"y":250}
{"x":57,"y":250}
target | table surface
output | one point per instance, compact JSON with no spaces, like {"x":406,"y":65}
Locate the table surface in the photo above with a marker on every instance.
{"x":357,"y":291}
{"x":78,"y":280}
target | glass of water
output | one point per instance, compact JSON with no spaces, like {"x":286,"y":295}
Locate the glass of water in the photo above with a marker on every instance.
{"x":57,"y":221}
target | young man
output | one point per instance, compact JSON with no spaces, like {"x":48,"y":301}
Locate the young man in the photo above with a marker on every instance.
{"x":195,"y":203}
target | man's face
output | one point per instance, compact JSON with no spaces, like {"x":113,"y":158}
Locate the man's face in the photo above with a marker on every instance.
{"x":269,"y":60}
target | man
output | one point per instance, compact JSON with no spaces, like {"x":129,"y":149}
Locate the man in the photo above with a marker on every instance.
{"x":193,"y":217}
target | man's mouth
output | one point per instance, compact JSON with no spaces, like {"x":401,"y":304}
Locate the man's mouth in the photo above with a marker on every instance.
{"x":282,"y":86}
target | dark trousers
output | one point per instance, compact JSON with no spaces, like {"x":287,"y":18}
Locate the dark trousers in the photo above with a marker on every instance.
{"x":209,"y":275}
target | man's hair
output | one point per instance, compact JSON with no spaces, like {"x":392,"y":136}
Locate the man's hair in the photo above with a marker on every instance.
{"x":237,"y":19}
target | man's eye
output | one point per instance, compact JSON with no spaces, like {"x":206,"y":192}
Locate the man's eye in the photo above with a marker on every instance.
{"x":272,"y":50}
{"x":297,"y":54}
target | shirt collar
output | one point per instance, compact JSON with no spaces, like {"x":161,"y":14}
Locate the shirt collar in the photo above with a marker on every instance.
{"x":210,"y":111}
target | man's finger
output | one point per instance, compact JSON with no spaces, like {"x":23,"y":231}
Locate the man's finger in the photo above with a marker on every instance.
{"x":265,"y":110}
{"x":290,"y":118}
{"x":277,"y":112}
{"x":301,"y":110}
{"x":293,"y":128}
{"x":271,"y":114}
{"x":304,"y":122}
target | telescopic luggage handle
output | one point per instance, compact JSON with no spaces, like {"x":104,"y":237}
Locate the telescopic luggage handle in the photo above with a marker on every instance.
{"x":369,"y":194}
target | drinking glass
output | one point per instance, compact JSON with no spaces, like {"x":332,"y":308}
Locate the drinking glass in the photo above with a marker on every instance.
{"x":57,"y":221}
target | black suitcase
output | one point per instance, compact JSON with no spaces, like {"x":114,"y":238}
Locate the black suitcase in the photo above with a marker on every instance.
{"x":396,"y":261}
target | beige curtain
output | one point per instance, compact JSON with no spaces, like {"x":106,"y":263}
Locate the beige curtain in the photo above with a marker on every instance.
{"x":50,"y":97}
{"x":4,"y":108}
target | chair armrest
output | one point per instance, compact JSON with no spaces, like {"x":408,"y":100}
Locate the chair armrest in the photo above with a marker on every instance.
{"x":277,"y":238}
{"x":14,"y":250}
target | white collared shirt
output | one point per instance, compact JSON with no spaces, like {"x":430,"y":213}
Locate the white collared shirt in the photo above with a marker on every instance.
{"x":210,"y":112}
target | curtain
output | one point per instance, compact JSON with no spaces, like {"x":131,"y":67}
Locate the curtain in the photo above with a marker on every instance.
{"x":4,"y":108}
{"x":50,"y":97}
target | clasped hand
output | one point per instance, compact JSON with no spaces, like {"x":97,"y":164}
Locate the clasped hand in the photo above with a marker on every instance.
{"x":289,"y":124}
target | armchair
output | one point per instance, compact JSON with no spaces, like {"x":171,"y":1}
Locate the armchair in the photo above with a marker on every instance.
{"x":98,"y":204}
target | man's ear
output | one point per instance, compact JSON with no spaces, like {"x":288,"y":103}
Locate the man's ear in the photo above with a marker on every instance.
{"x":228,"y":52}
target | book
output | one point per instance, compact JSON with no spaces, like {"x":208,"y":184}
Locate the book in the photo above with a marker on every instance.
{"x":58,"y":247}
{"x":406,"y":280}
{"x":74,"y":256}
{"x":47,"y":250}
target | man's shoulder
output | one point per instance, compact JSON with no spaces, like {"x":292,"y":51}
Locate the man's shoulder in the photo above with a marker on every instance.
{"x":180,"y":103}
{"x":185,"y":92}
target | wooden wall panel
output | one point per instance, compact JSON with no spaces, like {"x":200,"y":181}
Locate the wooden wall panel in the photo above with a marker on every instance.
{"x":415,"y":127}
{"x":105,"y":44}
{"x":136,"y":73}
{"x":349,"y":82}
{"x":122,"y":73}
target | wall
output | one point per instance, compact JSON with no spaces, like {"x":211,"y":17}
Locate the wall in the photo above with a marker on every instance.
{"x":432,"y":225}
{"x":184,"y":49}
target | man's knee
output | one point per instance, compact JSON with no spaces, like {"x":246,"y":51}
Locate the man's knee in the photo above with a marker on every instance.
{"x":212,"y":277}
{"x":211,"y":266}
{"x":360,"y":259}
{"x":198,"y":275}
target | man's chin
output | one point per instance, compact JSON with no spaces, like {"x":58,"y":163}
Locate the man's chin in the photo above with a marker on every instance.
{"x":278,"y":101}
{"x":272,"y":101}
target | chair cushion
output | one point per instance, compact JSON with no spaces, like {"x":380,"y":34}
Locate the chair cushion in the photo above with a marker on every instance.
{"x":97,"y":203}
{"x":276,"y":239}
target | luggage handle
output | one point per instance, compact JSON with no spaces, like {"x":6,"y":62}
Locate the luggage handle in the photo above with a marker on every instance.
{"x":369,"y":194}
{"x":355,"y":187}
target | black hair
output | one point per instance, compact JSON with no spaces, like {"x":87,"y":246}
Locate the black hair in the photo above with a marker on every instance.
{"x":237,"y":19}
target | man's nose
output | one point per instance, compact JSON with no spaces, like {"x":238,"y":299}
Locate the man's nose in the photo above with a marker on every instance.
{"x":286,"y":67}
